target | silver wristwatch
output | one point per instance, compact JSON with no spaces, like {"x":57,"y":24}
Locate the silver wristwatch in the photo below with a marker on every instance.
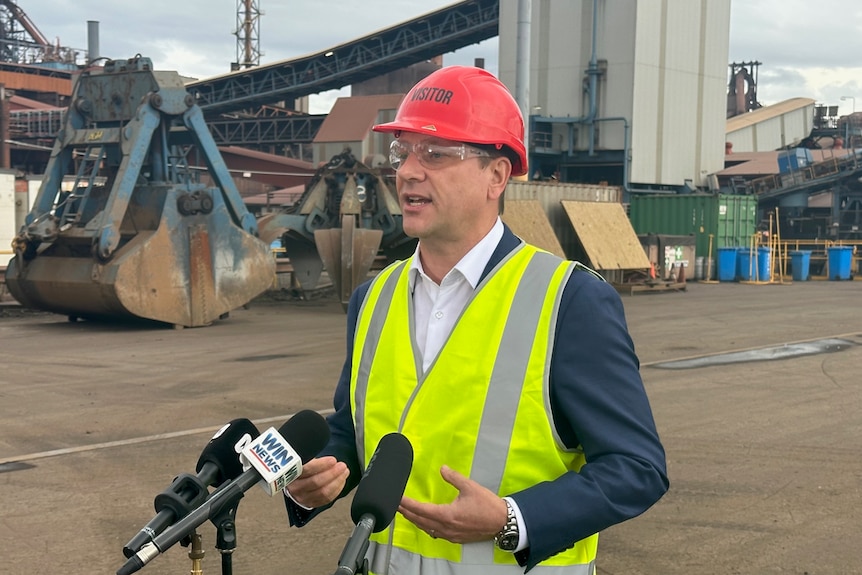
{"x":507,"y":538}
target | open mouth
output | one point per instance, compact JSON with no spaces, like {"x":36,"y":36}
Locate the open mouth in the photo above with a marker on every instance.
{"x":416,"y":201}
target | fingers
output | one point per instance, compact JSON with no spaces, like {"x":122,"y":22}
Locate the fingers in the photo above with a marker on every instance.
{"x":419,"y":513}
{"x":426,"y":516}
{"x":475,"y":514}
{"x":322,"y":480}
{"x":455,"y":479}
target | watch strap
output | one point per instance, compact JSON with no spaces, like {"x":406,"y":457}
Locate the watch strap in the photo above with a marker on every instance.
{"x":508,"y":537}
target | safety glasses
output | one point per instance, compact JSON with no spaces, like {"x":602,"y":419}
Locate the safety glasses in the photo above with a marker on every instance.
{"x":432,"y":156}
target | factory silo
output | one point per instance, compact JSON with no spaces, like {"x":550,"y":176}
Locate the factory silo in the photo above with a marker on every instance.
{"x":612,"y":80}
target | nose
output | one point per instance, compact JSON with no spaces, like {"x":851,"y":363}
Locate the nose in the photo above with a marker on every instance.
{"x":410,"y":168}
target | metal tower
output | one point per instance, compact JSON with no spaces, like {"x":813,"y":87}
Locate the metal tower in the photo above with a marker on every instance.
{"x":21,"y":42}
{"x":247,"y":34}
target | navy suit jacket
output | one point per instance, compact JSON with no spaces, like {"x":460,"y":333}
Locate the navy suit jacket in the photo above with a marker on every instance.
{"x":598,"y":403}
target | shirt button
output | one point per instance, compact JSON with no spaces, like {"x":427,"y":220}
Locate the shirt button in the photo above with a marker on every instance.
{"x":439,"y":315}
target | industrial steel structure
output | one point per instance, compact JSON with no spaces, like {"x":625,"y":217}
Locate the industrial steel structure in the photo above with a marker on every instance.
{"x":396,"y":47}
{"x":247,"y":34}
{"x":633,"y":95}
{"x":242,"y":93}
{"x":22,"y":42}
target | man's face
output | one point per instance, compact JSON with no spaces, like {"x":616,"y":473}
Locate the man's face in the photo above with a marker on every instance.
{"x":448,"y":193}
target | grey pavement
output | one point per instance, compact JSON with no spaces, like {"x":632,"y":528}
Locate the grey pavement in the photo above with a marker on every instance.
{"x":764,"y":457}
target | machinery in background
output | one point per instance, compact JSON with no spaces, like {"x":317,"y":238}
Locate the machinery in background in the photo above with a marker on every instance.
{"x":137,"y":234}
{"x":347,"y":218}
{"x":21,"y":41}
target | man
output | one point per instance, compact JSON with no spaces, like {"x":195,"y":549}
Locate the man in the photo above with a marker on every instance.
{"x":510,"y":370}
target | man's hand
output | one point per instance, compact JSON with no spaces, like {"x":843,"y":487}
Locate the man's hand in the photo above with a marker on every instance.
{"x":321,"y":482}
{"x":477,"y":514}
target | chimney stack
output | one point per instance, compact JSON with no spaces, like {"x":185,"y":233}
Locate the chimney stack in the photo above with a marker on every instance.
{"x":92,"y":41}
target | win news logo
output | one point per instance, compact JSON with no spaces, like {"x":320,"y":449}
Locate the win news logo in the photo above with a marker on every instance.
{"x":274,"y":459}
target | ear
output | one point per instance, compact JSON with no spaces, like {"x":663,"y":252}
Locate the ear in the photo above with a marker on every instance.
{"x":499,"y":171}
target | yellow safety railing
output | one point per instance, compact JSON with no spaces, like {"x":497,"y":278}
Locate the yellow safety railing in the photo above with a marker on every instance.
{"x":818,"y":259}
{"x":780,"y":255}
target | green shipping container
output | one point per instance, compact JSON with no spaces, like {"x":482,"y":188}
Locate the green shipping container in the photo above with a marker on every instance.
{"x":729,"y":218}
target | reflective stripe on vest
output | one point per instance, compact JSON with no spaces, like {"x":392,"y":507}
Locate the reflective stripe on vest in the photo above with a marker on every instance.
{"x":401,"y":562}
{"x":489,"y":380}
{"x":381,"y":289}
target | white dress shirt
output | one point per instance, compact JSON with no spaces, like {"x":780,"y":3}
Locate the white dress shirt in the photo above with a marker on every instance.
{"x":436,"y":308}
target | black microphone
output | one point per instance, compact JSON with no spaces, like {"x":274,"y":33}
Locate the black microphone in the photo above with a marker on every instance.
{"x":377,"y":498}
{"x":218,"y":462}
{"x":281,"y":451}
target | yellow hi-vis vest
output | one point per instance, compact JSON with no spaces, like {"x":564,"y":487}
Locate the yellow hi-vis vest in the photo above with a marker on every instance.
{"x":482,"y":408}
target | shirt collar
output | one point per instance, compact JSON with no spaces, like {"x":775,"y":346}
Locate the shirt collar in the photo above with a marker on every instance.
{"x":472,"y":264}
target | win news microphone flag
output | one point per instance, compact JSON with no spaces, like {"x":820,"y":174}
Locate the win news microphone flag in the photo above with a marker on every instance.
{"x":282,"y":451}
{"x":377,"y":497}
{"x":274,"y":459}
{"x":218,"y":462}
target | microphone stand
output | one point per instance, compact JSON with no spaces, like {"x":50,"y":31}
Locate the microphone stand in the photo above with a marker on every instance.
{"x":196,"y":553}
{"x":225,"y":523}
{"x":226,"y":538}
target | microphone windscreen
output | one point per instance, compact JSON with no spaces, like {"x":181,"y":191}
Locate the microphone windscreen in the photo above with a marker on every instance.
{"x":223,"y":450}
{"x":307,"y":432}
{"x":381,"y":487}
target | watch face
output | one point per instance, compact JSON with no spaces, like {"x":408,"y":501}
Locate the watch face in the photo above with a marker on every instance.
{"x":509,"y":542}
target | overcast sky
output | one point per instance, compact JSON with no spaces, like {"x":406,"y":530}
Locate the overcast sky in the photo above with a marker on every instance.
{"x":808,"y":49}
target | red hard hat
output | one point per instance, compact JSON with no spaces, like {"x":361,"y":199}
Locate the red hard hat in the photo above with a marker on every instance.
{"x":463,"y":104}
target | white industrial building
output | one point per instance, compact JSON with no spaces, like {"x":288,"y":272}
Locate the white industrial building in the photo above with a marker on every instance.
{"x":773,"y":127}
{"x":628,"y":93}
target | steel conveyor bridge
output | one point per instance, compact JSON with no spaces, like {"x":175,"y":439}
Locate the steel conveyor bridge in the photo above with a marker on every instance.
{"x":231,"y":101}
{"x":399,"y":46}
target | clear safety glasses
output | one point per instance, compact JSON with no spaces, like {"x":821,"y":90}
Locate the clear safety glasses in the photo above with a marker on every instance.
{"x":430,"y":155}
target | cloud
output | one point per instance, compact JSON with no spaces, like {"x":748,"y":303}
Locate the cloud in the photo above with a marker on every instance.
{"x":796,"y":33}
{"x":807,"y":49}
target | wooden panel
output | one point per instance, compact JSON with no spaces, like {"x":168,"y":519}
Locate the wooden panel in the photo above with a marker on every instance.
{"x":607,"y":236}
{"x":528,"y":220}
{"x":549,"y":194}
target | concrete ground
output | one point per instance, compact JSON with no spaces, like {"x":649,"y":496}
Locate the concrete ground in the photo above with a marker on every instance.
{"x":764,"y":457}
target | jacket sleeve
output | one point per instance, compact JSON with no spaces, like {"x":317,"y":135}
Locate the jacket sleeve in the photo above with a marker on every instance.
{"x":342,"y":441}
{"x":599,"y":404}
